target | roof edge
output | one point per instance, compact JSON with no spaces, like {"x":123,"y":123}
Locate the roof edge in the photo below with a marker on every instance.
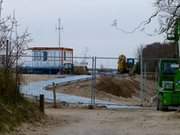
{"x":49,"y":48}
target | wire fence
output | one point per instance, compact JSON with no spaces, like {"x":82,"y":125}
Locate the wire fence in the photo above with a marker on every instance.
{"x":149,"y":76}
{"x":87,"y":80}
{"x":82,"y":77}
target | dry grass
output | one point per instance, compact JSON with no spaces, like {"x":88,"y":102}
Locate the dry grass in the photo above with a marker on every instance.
{"x":14,"y":109}
{"x":12,"y":115}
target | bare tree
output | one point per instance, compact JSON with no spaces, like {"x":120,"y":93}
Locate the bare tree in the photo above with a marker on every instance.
{"x":166,"y":11}
{"x":12,"y":47}
{"x":12,"y":43}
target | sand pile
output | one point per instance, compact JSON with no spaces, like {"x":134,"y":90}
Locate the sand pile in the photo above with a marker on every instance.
{"x":119,"y":87}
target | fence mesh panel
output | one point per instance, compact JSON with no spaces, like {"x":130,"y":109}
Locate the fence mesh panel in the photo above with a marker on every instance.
{"x":82,"y":80}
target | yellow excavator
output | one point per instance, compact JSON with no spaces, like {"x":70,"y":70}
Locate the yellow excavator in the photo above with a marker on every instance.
{"x":125,"y":65}
{"x":122,"y":66}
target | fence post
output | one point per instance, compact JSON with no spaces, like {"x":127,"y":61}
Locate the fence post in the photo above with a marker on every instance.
{"x":144,"y":82}
{"x":95,"y":80}
{"x":54,"y":94}
{"x":141,"y":80}
{"x":7,"y":53}
{"x":41,"y":102}
{"x":92,"y":87}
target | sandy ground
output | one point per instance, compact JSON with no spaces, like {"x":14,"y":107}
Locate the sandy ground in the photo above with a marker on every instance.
{"x":81,"y":121}
{"x":83,"y":89}
{"x":106,"y":122}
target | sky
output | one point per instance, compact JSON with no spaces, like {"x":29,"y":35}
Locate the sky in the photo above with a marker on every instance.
{"x":86,"y":23}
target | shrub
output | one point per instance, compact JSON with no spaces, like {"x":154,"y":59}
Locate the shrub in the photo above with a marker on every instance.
{"x":8,"y":83}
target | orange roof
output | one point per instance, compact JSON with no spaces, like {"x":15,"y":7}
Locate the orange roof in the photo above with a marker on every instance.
{"x":50,"y":48}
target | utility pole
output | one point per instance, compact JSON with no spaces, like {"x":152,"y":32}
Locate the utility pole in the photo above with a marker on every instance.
{"x":15,"y":22}
{"x":60,"y":28}
{"x":1,"y":2}
{"x":14,"y":30}
{"x":15,"y":27}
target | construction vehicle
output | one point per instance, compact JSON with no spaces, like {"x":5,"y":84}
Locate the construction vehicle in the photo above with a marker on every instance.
{"x":168,"y":90}
{"x":125,"y":65}
{"x":168,"y":84}
{"x":122,"y":64}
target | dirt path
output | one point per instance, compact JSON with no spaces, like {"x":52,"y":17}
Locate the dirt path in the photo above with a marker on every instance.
{"x":124,"y":122}
{"x":105,"y":122}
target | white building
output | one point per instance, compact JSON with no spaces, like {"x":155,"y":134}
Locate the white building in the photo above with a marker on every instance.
{"x":46,"y":57}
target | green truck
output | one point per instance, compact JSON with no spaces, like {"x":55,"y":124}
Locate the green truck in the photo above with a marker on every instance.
{"x":168,"y":89}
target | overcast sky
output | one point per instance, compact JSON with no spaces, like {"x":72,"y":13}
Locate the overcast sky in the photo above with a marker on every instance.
{"x":87,"y":24}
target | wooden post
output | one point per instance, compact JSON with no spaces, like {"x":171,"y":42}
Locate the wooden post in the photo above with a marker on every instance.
{"x":7,"y":53}
{"x":41,"y":103}
{"x":54,"y":94}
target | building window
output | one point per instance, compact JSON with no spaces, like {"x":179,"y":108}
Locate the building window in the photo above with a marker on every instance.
{"x":45,"y":56}
{"x":64,"y":55}
{"x":37,"y":56}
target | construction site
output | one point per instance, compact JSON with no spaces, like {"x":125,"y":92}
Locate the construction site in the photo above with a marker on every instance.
{"x":104,"y":89}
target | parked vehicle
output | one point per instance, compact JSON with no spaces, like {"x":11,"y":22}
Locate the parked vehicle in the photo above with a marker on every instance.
{"x":125,"y":65}
{"x":168,"y":89}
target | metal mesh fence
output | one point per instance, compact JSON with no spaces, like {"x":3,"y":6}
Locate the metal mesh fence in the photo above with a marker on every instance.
{"x":71,"y":78}
{"x":114,"y":87}
{"x":80,"y":80}
{"x":87,"y":80}
{"x":149,"y":76}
